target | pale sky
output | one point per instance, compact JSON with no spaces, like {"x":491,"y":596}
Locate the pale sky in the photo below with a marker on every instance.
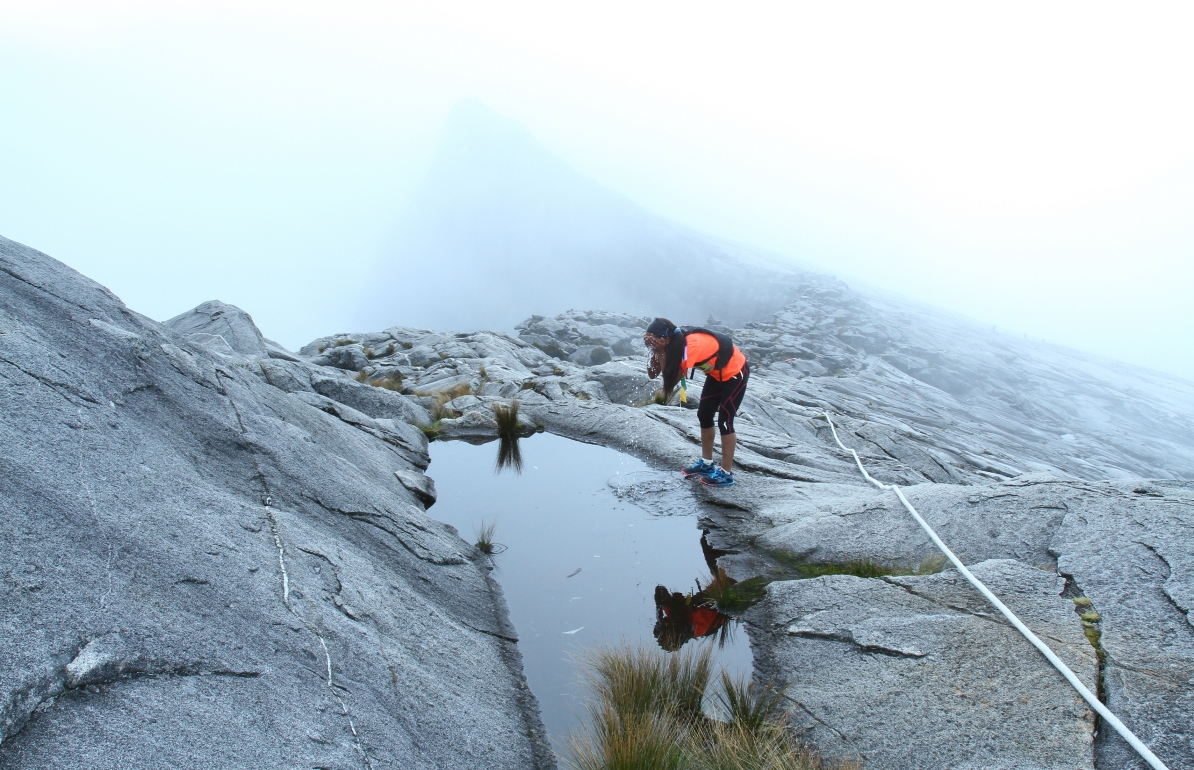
{"x":1030,"y":165}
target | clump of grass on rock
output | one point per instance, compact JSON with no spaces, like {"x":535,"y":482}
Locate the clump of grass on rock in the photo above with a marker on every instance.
{"x":440,"y":398}
{"x":863,"y":568}
{"x":392,"y":382}
{"x":506,"y":415}
{"x":647,"y":711}
{"x":439,"y":405}
{"x":485,"y":543}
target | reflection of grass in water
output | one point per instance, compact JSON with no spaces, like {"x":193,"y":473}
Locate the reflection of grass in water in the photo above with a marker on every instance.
{"x":509,"y":455}
{"x":646,"y":711}
{"x":731,"y":596}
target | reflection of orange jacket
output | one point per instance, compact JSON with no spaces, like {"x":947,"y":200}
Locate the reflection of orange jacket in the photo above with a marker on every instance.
{"x":706,"y":620}
{"x":701,"y":353}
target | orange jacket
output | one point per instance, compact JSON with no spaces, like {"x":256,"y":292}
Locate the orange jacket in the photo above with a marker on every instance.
{"x":701,"y":352}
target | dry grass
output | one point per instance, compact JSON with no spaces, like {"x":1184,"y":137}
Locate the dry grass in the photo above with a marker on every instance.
{"x":630,"y":742}
{"x":641,"y":680}
{"x":439,"y":410}
{"x":743,"y":704}
{"x":507,"y":419}
{"x":393,"y":382}
{"x":646,"y":713}
{"x":485,"y":543}
{"x":361,"y":376}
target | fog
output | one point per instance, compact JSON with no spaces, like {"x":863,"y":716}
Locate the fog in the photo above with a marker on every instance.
{"x":1030,"y":167}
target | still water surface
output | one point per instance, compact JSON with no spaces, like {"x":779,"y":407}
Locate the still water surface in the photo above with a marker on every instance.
{"x":581,"y":565}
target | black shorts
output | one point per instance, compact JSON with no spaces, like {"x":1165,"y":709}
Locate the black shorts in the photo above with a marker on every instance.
{"x":723,"y":398}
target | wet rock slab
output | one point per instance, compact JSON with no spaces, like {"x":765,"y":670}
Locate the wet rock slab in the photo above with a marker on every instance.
{"x":1123,"y":547}
{"x":916,"y":672}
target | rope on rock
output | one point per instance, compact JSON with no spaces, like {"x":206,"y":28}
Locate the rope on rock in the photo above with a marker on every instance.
{"x":1045,"y":650}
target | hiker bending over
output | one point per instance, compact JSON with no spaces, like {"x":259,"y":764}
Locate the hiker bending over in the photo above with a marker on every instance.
{"x":675,"y":351}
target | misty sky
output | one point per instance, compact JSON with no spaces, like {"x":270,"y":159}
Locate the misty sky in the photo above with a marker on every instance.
{"x":1028,"y":164}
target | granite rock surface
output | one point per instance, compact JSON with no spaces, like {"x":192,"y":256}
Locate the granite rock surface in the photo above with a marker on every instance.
{"x":220,"y":546}
{"x":210,"y":562}
{"x":1062,"y":479}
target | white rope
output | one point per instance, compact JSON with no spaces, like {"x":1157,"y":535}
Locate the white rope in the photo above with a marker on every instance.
{"x":1090,"y":697}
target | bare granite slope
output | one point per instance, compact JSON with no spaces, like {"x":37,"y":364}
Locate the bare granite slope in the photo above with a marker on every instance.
{"x":219,"y":549}
{"x":203,"y":569}
{"x":1032,"y":463}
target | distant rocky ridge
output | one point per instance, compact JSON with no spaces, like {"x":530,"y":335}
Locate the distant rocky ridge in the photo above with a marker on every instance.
{"x":220,"y":548}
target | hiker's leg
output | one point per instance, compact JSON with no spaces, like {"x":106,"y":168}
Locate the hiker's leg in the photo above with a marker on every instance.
{"x":707,"y":444}
{"x":706,"y":411}
{"x":731,"y":401}
{"x":728,"y":442}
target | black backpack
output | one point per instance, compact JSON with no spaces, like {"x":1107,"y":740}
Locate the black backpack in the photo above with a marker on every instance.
{"x":725,"y":345}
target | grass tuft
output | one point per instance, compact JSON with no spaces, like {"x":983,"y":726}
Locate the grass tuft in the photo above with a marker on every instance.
{"x":432,"y":431}
{"x":507,"y":419}
{"x":368,"y":351}
{"x":440,"y":398}
{"x":743,"y":704}
{"x":863,"y":568}
{"x":344,"y":341}
{"x":485,"y":543}
{"x":641,"y":680}
{"x":629,"y":742}
{"x":646,"y":712}
{"x":393,"y":382}
{"x":361,"y":376}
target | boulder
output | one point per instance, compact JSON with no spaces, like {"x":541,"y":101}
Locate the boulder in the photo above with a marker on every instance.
{"x":221,"y":328}
{"x":624,"y":382}
{"x":472,"y":426}
{"x":422,"y":486}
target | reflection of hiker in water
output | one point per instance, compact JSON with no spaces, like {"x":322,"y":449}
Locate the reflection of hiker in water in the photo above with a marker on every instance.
{"x":680,"y":617}
{"x":675,"y":351}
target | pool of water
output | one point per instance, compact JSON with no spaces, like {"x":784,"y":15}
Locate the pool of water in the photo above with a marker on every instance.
{"x":581,"y":564}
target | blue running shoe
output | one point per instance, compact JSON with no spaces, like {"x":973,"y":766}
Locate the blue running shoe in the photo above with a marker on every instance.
{"x":699,"y":468}
{"x":718,"y":478}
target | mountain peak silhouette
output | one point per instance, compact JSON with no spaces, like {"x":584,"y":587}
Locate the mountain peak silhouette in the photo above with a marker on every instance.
{"x":502,"y":229}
